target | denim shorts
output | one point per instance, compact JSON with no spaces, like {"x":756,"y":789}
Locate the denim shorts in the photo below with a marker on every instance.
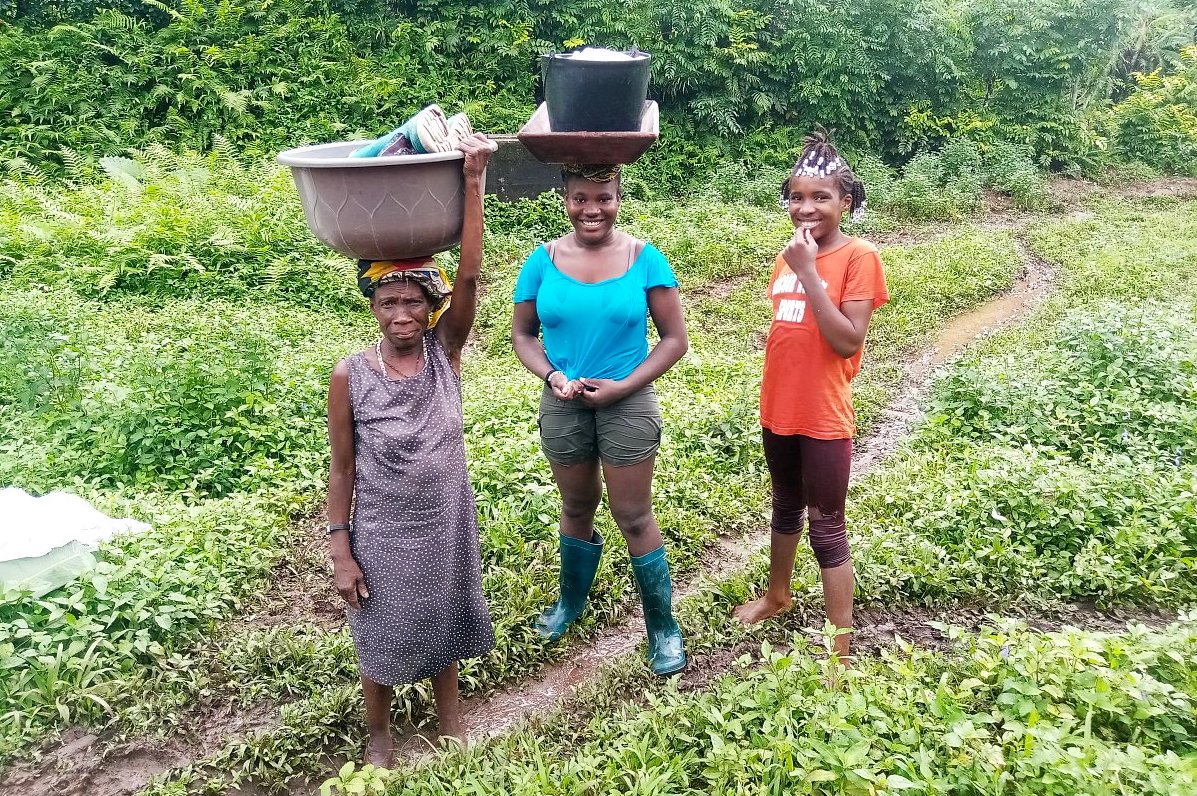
{"x":626,"y":432}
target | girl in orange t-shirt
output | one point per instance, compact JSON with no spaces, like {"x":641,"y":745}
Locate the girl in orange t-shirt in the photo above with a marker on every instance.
{"x":824,"y":289}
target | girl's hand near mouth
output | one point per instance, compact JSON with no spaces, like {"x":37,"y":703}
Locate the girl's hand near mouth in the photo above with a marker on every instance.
{"x":800,"y":252}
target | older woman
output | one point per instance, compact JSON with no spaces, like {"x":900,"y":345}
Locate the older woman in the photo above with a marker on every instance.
{"x":589,"y":294}
{"x":408,"y":564}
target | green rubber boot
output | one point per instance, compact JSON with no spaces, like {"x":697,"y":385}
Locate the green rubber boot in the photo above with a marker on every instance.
{"x":666,"y":652}
{"x":579,"y":562}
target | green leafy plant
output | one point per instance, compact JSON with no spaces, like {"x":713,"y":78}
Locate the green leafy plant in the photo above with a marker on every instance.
{"x":1115,"y":378}
{"x":82,"y":653}
{"x":887,"y":76}
{"x":1050,"y":712}
{"x":1157,"y":122}
{"x":367,"y":781}
{"x":233,"y":361}
{"x":1010,"y":170}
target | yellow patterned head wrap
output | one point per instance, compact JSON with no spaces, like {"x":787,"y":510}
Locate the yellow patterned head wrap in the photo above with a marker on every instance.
{"x":423,"y":271}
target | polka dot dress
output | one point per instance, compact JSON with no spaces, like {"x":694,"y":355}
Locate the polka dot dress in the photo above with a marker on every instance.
{"x":415,"y":528}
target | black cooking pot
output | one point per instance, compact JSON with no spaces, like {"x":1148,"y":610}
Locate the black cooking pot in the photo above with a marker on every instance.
{"x":595,"y":96}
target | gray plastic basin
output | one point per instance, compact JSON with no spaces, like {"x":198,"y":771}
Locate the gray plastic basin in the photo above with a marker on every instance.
{"x":384,"y":208}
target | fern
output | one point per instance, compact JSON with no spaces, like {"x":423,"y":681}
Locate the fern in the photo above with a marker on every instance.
{"x":164,"y":8}
{"x":77,"y":168}
{"x":119,"y":20}
{"x":277,"y":270}
{"x":158,"y":158}
{"x":192,"y":262}
{"x":224,"y":148}
{"x":61,"y":30}
{"x":125,"y":171}
{"x":107,"y":279}
{"x":24,"y":172}
{"x":234,"y":100}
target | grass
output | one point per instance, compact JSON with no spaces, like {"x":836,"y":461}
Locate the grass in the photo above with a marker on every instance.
{"x":191,"y":404}
{"x":84,"y":654}
{"x":710,"y":403}
{"x":85,"y":365}
{"x":1008,"y":710}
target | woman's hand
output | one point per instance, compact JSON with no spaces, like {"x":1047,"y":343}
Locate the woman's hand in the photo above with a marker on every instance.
{"x":564,"y":389}
{"x":349,"y":581}
{"x":478,"y":149}
{"x":800,"y":254}
{"x":602,"y":392}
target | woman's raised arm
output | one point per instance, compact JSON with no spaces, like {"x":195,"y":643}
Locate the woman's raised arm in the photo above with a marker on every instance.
{"x":455,"y":324}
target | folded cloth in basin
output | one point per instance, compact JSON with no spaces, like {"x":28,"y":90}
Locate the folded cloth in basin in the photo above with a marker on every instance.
{"x":426,"y":132}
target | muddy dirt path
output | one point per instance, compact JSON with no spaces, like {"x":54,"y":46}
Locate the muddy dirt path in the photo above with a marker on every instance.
{"x":101,"y":764}
{"x":86,"y":764}
{"x":879,"y":628}
{"x":1030,"y":288}
{"x":494,"y":715}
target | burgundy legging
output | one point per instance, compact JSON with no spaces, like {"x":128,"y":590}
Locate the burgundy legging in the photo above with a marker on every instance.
{"x":811,"y":472}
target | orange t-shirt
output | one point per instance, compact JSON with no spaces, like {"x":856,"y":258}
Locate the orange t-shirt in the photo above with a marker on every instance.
{"x":806,"y":388}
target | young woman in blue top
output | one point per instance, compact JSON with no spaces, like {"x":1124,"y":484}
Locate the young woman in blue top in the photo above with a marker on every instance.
{"x":582,"y":304}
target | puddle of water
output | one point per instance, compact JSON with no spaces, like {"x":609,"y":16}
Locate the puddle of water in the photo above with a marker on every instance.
{"x":967,"y":328}
{"x":964,"y":329}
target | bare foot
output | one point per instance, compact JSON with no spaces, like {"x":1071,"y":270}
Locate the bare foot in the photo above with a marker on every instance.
{"x":759,"y":610}
{"x":380,"y":753}
{"x":454,"y":740}
{"x":454,"y":733}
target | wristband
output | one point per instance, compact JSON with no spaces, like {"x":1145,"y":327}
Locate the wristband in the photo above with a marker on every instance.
{"x":338,"y":526}
{"x":549,"y":375}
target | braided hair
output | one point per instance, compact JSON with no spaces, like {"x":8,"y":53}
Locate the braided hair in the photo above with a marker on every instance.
{"x":820,"y":158}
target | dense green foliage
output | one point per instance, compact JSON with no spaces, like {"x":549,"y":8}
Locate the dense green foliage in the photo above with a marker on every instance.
{"x":73,"y":655}
{"x":203,"y":414}
{"x":1024,"y":522}
{"x":1116,"y":378}
{"x":734,"y":78}
{"x":166,"y":225}
{"x":168,"y":398}
{"x":1067,"y":447}
{"x":1104,"y":527}
{"x":1157,"y":124}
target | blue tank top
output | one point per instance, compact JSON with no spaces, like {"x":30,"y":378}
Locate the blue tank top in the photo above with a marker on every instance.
{"x":599,"y":330}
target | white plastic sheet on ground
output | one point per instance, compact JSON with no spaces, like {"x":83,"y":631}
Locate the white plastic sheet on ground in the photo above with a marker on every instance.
{"x":47,"y":541}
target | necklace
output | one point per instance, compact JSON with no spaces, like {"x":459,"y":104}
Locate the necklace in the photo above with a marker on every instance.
{"x":382,"y":365}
